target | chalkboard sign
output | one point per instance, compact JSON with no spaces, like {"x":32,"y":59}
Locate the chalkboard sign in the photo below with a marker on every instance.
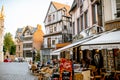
{"x":66,"y":75}
{"x":65,"y":69}
{"x":55,"y":76}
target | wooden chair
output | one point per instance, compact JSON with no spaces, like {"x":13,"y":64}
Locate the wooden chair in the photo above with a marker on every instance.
{"x":41,"y":76}
{"x":33,"y":68}
{"x":93,"y":72}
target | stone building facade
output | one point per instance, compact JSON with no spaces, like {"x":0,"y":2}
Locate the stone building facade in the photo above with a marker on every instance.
{"x":28,"y":38}
{"x":1,"y":34}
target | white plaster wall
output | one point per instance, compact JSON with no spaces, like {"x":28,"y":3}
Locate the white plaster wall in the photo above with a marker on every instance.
{"x":75,"y":15}
{"x":59,"y":15}
{"x":56,"y":38}
{"x":59,"y":26}
{"x":85,"y":5}
{"x":52,"y":9}
{"x":45,"y":42}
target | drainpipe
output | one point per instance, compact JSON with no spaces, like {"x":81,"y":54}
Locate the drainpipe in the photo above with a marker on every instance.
{"x":103,"y":16}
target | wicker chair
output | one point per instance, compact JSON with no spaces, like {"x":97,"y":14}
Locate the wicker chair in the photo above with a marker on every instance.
{"x":93,"y":72}
{"x":78,"y":76}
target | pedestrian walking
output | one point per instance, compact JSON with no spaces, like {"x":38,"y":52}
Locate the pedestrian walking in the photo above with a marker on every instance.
{"x":33,"y":54}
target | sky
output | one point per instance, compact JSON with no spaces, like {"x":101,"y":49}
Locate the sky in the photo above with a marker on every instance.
{"x":20,"y":13}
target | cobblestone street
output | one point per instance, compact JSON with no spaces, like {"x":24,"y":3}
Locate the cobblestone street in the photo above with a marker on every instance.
{"x":15,"y":71}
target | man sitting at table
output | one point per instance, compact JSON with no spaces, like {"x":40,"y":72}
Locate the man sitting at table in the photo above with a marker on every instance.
{"x":84,"y":65}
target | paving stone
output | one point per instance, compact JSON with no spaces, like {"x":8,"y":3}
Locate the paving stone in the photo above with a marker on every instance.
{"x":15,"y":71}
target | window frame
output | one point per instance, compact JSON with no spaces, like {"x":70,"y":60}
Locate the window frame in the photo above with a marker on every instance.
{"x":117,"y":9}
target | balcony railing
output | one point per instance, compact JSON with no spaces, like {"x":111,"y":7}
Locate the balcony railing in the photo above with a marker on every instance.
{"x":95,"y":29}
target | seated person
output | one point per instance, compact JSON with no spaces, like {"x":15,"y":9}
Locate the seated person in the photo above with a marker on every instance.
{"x":7,"y":59}
{"x":42,"y":65}
{"x":33,"y":67}
{"x":84,"y":65}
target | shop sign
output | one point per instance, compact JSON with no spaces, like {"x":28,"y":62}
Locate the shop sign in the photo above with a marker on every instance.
{"x":108,"y":46}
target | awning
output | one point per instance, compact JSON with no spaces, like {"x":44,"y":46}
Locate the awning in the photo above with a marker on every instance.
{"x":105,"y":41}
{"x":74,"y":44}
{"x":55,"y":53}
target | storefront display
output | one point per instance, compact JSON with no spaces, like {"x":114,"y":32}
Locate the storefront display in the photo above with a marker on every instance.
{"x":110,"y":60}
{"x":117,"y":59}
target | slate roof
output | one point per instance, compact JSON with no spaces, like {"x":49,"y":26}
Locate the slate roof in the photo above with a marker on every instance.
{"x":20,"y":31}
{"x":59,"y":6}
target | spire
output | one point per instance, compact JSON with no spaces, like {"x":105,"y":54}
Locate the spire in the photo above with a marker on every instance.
{"x":2,"y":12}
{"x":39,"y":27}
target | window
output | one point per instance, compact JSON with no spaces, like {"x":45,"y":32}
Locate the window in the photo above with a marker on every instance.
{"x":53,"y":42}
{"x":27,"y":32}
{"x":27,"y":45}
{"x":81,"y":8}
{"x":51,"y":29}
{"x":49,"y":18}
{"x":94,"y":18}
{"x":54,"y":28}
{"x":49,"y":42}
{"x":118,"y":8}
{"x":73,"y":27}
{"x":53,"y":17}
{"x":86,"y":19}
{"x":65,"y":27}
{"x":81,"y":22}
{"x":78,"y":25}
{"x":70,"y":24}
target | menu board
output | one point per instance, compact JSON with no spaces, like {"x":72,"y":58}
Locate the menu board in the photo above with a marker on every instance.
{"x":65,"y":69}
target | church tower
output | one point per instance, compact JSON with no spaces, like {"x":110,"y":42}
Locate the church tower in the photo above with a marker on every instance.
{"x":1,"y":33}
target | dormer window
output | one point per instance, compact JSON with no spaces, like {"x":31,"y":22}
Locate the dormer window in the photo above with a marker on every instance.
{"x":27,"y":32}
{"x":53,"y":17}
{"x":49,"y":18}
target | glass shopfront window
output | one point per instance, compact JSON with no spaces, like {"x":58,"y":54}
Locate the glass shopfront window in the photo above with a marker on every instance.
{"x":111,"y":59}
